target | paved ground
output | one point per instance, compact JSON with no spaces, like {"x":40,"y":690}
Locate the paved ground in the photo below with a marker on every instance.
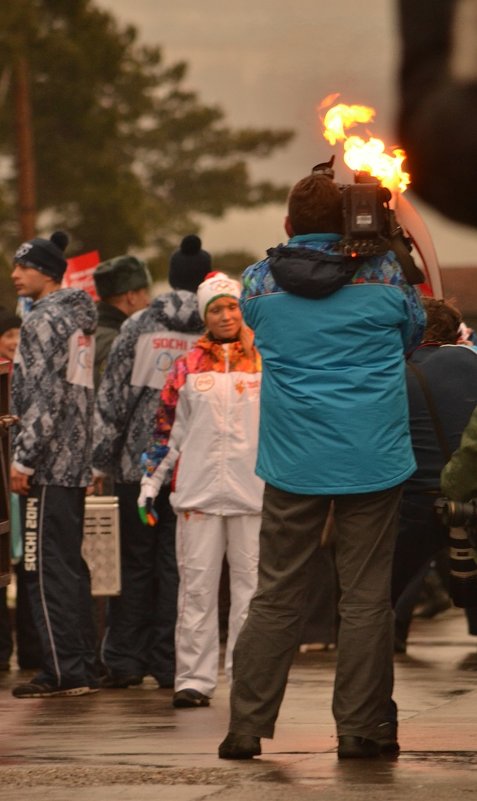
{"x":131,"y":745}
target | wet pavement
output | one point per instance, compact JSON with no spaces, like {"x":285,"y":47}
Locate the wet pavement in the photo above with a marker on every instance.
{"x":131,"y":745}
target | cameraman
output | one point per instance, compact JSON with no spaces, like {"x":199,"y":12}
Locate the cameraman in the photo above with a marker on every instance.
{"x":333,"y":426}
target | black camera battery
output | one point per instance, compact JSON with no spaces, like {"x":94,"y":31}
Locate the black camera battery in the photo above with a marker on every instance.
{"x":363,"y":211}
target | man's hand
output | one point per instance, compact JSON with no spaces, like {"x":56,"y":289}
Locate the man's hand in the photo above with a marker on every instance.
{"x":98,"y":483}
{"x":19,"y":482}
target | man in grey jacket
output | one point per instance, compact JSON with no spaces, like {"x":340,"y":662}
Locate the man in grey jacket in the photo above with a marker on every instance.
{"x":53,"y":397}
{"x":139,"y":637}
{"x":123,"y":285}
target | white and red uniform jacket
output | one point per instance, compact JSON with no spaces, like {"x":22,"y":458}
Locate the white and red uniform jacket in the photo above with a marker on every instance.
{"x":207,"y":430}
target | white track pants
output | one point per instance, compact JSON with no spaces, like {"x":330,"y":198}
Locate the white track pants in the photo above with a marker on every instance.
{"x":201,"y":542}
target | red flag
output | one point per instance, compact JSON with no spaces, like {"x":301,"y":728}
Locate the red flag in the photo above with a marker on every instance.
{"x":79,"y":272}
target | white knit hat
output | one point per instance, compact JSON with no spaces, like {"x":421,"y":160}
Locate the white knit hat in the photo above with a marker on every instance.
{"x":216,"y":285}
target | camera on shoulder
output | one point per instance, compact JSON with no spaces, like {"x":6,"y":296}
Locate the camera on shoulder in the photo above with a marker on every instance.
{"x":370,"y":227}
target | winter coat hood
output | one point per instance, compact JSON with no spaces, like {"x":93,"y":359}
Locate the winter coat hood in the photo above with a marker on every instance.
{"x":177,"y":311}
{"x":307,"y":266}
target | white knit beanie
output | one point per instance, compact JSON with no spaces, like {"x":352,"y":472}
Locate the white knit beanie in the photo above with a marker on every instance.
{"x":216,"y":285}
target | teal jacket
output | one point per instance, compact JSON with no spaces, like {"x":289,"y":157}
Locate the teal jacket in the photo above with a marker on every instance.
{"x":334,"y":411}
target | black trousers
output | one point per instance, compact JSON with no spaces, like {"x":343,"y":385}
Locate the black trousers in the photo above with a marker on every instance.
{"x":58,"y":583}
{"x":420,"y":536}
{"x":6,"y":640}
{"x":141,"y":621}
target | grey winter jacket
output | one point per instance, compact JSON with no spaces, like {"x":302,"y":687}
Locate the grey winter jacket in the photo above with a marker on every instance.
{"x":52,"y":390}
{"x":128,"y":396}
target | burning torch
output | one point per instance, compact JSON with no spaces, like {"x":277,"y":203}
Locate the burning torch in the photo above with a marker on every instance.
{"x":373,"y":166}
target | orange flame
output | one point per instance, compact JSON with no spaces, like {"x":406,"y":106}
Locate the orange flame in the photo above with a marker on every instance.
{"x":360,"y":155}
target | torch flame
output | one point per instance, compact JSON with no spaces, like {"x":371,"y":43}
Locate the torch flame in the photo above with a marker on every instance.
{"x":340,"y":117}
{"x":360,"y":155}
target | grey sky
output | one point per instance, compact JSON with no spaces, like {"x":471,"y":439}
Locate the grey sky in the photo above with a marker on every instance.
{"x":270,"y":63}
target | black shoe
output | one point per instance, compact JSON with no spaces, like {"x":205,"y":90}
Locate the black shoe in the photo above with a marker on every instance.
{"x":352,"y":747}
{"x":34,"y":689}
{"x":386,"y":737}
{"x":185,"y":698}
{"x":239,"y":746}
{"x":438,"y":602}
{"x":116,"y":681}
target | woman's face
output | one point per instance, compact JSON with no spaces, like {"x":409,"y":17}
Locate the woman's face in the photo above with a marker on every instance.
{"x":223,"y":318}
{"x":9,"y":342}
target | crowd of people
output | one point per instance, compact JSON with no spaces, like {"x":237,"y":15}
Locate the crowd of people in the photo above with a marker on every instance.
{"x":241,"y":421}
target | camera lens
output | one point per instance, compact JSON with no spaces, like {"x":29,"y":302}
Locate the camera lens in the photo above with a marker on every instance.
{"x":455,"y":513}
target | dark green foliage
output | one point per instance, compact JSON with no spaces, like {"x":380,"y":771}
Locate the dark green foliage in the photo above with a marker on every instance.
{"x":125,"y":157}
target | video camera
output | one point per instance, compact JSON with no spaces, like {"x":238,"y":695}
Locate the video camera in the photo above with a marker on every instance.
{"x":370,"y":226}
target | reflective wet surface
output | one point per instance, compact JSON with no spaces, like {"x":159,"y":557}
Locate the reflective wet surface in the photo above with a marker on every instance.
{"x":132,"y":744}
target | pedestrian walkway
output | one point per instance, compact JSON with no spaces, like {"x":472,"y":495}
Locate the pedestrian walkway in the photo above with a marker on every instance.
{"x":131,"y":745}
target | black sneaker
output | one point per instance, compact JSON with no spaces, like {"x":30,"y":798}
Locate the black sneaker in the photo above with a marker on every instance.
{"x":189,"y":698}
{"x":239,"y":746}
{"x":37,"y":689}
{"x":352,"y":747}
{"x":116,"y":681}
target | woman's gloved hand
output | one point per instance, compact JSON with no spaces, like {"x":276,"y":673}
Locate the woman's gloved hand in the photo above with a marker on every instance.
{"x":150,"y":486}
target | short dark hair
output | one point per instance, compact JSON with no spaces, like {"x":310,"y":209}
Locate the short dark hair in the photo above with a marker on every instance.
{"x":315,"y":206}
{"x":443,"y":321}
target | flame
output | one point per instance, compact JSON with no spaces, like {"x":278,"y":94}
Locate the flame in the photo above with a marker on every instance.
{"x":340,"y":117}
{"x":360,"y":155}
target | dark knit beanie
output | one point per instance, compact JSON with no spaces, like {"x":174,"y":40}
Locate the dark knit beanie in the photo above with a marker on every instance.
{"x":119,"y":275}
{"x":44,"y":255}
{"x":189,"y":265}
{"x":8,"y":320}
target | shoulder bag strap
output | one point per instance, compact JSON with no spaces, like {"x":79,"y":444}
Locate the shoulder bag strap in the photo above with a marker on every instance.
{"x":441,"y":437}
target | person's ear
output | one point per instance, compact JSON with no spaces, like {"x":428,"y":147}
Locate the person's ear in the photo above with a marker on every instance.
{"x":288,"y":227}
